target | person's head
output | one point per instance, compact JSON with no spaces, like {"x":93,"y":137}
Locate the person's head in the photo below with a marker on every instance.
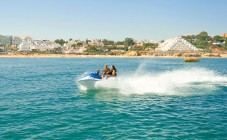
{"x":106,"y":66}
{"x":113,"y":68}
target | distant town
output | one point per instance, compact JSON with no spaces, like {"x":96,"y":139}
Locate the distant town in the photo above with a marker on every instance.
{"x":186,"y":45}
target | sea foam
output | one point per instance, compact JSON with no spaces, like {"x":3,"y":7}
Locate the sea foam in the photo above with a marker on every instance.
{"x":180,"y":82}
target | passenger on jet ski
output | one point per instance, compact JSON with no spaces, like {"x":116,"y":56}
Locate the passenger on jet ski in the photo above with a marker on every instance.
{"x":112,"y":72}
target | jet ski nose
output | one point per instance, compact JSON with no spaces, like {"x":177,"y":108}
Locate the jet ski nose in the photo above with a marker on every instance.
{"x":89,"y":80}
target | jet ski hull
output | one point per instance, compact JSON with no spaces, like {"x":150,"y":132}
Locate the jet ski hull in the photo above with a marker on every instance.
{"x":89,"y":84}
{"x":90,"y":80}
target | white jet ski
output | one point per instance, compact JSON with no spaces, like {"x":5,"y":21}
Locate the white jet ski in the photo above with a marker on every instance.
{"x":89,"y":81}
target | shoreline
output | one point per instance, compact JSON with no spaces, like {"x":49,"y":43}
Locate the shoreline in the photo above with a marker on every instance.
{"x":90,"y":56}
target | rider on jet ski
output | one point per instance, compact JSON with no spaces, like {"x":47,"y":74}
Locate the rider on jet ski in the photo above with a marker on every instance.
{"x":107,"y":72}
{"x":113,"y":71}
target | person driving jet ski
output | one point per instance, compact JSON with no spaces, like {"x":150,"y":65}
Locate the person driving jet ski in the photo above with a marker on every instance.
{"x":105,"y":71}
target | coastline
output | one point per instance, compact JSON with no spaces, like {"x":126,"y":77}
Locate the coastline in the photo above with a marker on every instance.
{"x":91,"y":56}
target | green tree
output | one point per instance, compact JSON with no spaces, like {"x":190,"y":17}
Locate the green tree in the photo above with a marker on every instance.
{"x":190,"y":38}
{"x":79,"y":44}
{"x":202,"y":40}
{"x":93,"y":50}
{"x":225,"y":45}
{"x":70,"y":39}
{"x":202,"y":36}
{"x":107,"y":42}
{"x":60,"y":41}
{"x":119,"y":43}
{"x":87,"y":41}
{"x":128,"y":42}
{"x":217,"y":38}
{"x":150,"y":45}
{"x":202,"y":45}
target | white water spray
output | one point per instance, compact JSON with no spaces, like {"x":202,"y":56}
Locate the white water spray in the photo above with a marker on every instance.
{"x":181,"y":82}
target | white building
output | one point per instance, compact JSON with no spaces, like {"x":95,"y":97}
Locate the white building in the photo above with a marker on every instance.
{"x":2,"y":48}
{"x":38,"y":45}
{"x":96,"y":42}
{"x":5,"y":40}
{"x":176,"y":44}
{"x":16,"y":40}
{"x":25,"y":46}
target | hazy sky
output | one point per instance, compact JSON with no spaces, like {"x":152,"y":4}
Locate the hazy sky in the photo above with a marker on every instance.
{"x":112,"y":19}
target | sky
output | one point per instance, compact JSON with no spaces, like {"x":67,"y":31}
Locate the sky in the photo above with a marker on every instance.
{"x":112,"y":19}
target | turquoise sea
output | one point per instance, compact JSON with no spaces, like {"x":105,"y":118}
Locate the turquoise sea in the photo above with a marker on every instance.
{"x":152,"y":98}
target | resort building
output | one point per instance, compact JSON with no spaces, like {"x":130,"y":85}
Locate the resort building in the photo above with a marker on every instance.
{"x":13,"y":40}
{"x":96,"y":42}
{"x":16,"y":40}
{"x":139,"y":43}
{"x":176,"y":44}
{"x":5,"y":40}
{"x":71,"y":42}
{"x":152,"y":41}
{"x":2,"y":48}
{"x":25,"y":46}
{"x":79,"y":50}
{"x":28,"y":38}
{"x":28,"y":45}
{"x":224,"y":35}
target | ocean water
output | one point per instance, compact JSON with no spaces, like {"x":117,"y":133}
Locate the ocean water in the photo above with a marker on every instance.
{"x":152,"y":98}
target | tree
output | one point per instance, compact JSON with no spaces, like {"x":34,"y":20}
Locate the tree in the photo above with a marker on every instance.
{"x":202,"y":40}
{"x":150,"y":45}
{"x":202,"y":36}
{"x":94,"y":50}
{"x":79,"y":44}
{"x":119,"y":43}
{"x":217,"y":38}
{"x":107,"y":42}
{"x":190,"y":38}
{"x":225,"y":46}
{"x":60,"y":42}
{"x":128,"y":42}
{"x":202,"y":44}
{"x":70,"y":39}
{"x":87,"y":41}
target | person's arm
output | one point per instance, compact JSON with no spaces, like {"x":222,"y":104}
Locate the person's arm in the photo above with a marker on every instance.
{"x":102,"y":70}
{"x":113,"y":73}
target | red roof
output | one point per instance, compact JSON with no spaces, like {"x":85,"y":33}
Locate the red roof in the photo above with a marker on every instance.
{"x":224,"y":35}
{"x":27,"y":37}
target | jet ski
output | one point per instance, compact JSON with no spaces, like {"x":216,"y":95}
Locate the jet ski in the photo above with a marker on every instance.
{"x":89,"y":81}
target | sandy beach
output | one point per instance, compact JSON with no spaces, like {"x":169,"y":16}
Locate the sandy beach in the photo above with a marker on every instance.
{"x":90,"y":56}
